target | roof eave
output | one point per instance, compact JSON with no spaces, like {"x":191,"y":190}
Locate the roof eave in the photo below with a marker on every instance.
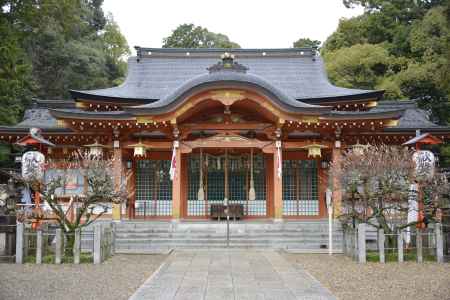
{"x":85,"y":95}
{"x":59,"y":114}
{"x":369,"y":96}
{"x":394,"y":114}
{"x":26,"y":130}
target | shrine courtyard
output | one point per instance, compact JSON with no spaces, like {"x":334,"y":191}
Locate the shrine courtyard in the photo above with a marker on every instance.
{"x":122,"y":275}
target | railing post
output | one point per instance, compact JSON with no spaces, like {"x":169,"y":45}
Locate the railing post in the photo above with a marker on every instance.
{"x":97,"y":244}
{"x":355,"y":244}
{"x":113,"y":238}
{"x":344,"y":242}
{"x":77,"y":246}
{"x":439,"y":243}
{"x":381,"y":240}
{"x":400,"y":246}
{"x":26,"y":243}
{"x":39,"y":247}
{"x":19,"y":243}
{"x":419,"y":245}
{"x":58,"y":246}
{"x":362,"y":243}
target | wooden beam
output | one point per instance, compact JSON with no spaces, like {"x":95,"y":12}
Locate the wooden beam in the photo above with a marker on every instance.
{"x":223,"y":126}
{"x":226,"y":141}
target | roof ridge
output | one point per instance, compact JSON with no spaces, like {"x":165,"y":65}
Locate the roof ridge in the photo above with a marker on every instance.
{"x":215,"y":52}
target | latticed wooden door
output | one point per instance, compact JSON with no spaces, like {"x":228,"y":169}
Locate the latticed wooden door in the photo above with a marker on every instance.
{"x":214,"y":184}
{"x":300,"y":188}
{"x":153,"y":188}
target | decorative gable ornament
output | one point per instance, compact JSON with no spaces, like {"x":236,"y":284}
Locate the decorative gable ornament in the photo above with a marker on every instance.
{"x":227,"y":64}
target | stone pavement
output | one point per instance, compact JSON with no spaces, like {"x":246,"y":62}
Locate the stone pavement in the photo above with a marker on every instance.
{"x":233,"y":275}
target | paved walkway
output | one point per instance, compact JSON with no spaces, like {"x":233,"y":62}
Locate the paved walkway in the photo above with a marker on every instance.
{"x":233,"y":275}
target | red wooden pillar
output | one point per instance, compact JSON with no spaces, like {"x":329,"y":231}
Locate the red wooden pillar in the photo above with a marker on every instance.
{"x":117,"y":174}
{"x":337,"y":188}
{"x":176,"y":186}
{"x":277,"y":186}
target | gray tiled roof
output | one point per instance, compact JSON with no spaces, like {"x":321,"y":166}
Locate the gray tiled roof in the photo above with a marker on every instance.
{"x":37,"y":117}
{"x":413,"y":117}
{"x":226,"y":79}
{"x":155,"y":76}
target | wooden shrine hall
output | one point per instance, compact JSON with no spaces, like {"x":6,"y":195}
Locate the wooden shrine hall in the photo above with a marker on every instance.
{"x":197,"y":128}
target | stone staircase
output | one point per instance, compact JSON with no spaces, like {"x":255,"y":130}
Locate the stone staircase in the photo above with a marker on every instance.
{"x":160,"y":236}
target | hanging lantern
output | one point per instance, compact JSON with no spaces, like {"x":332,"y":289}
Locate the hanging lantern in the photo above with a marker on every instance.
{"x":95,"y":149}
{"x":314,"y":150}
{"x":358,"y":148}
{"x":139,"y":149}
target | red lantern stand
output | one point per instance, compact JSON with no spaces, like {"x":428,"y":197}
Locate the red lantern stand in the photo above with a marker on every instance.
{"x":35,"y":140}
{"x":418,"y":142}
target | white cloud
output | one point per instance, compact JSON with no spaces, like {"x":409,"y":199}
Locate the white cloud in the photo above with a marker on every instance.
{"x":251,"y":23}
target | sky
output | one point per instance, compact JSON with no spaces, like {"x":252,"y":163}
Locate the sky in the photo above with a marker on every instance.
{"x":250,"y":23}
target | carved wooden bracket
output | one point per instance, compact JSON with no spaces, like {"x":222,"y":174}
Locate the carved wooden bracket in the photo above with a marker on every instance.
{"x":227,"y":97}
{"x":226,"y":141}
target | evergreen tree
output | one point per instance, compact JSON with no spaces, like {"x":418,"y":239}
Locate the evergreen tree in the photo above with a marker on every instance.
{"x":191,"y":36}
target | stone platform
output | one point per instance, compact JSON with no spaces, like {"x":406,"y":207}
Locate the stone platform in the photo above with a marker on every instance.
{"x":235,"y":274}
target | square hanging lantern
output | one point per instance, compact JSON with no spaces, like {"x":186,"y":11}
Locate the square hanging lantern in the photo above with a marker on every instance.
{"x":314,"y":150}
{"x":359,"y":149}
{"x":139,"y":149}
{"x":95,"y":149}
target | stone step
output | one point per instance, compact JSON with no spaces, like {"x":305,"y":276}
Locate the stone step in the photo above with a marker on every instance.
{"x":224,"y":245}
{"x":211,"y":226}
{"x":223,"y":230}
{"x":221,"y":239}
{"x":154,"y":237}
{"x":138,"y":235}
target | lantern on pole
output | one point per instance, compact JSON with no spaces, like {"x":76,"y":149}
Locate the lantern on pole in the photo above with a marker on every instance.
{"x":314,"y":150}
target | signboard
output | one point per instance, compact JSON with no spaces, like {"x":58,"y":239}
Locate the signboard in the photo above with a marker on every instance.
{"x":33,"y":165}
{"x":73,"y":181}
{"x":425,"y":162}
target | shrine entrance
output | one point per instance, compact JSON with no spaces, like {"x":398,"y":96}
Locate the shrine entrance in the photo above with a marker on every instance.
{"x":220,"y":176}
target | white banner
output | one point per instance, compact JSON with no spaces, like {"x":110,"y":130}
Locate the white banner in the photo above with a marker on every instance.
{"x":425,"y":162}
{"x":33,"y":165}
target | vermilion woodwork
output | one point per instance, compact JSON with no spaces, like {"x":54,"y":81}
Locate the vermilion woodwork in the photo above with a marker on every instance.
{"x":337,"y":188}
{"x":176,"y":187}
{"x":226,"y":141}
{"x":277,"y":188}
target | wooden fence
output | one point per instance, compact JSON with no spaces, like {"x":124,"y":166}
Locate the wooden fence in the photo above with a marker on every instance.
{"x":52,"y":245}
{"x":367,"y":243}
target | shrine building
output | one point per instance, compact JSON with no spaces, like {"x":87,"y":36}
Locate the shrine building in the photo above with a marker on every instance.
{"x":254,"y":128}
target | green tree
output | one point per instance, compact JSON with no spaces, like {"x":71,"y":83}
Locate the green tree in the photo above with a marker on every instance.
{"x":116,"y":50}
{"x":414,"y":36}
{"x":15,"y":76}
{"x":362,"y":66}
{"x":191,"y":36}
{"x":68,"y":44}
{"x":350,"y":32}
{"x":307,"y":43}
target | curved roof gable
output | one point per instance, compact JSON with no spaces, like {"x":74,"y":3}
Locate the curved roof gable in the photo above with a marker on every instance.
{"x":156,"y":73}
{"x":226,"y":74}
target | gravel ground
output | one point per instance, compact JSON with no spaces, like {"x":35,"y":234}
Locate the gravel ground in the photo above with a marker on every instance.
{"x":117,"y":278}
{"x":347,"y":279}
